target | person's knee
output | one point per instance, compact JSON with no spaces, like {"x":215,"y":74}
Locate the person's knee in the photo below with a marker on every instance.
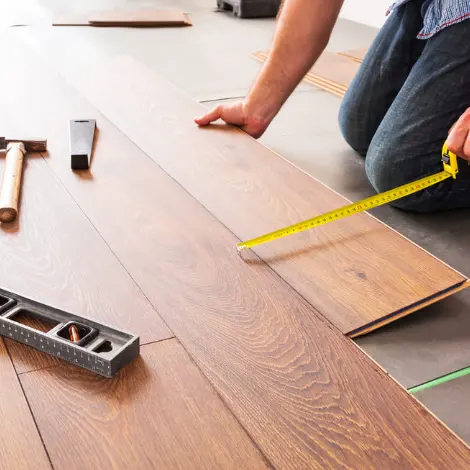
{"x":385,"y":171}
{"x":350,"y":128}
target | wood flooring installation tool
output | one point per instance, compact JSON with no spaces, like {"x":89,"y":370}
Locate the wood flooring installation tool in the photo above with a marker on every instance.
{"x":449,"y":161}
{"x":15,"y":150}
{"x":85,"y":343}
{"x":81,"y":136}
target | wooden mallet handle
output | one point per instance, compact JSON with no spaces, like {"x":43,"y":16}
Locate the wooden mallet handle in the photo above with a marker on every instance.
{"x":11,"y":183}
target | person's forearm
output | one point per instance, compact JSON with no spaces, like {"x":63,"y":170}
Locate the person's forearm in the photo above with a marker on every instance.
{"x":303,"y":31}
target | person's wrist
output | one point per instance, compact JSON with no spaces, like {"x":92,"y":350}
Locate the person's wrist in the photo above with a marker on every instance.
{"x":258,"y":113}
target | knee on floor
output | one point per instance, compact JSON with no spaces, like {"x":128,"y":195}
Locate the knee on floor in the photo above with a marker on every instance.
{"x":385,"y":170}
{"x":352,"y":129}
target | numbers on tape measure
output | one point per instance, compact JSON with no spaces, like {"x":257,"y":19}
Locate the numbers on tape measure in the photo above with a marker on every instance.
{"x":351,"y":209}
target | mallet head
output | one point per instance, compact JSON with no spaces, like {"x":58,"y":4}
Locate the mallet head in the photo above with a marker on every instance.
{"x":30,"y":145}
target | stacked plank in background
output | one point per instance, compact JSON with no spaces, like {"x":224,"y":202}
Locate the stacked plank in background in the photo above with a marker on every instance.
{"x":126,"y":18}
{"x":357,"y":55}
{"x":332,"y":72}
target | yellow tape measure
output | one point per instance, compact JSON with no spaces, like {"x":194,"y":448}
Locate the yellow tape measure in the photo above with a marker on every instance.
{"x":449,"y":161}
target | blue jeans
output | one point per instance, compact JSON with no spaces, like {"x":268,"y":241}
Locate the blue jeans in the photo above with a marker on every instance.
{"x":401,"y":104}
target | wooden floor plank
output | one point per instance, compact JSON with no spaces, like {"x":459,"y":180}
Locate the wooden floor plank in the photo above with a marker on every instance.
{"x":160,"y":413}
{"x":20,"y":443}
{"x":356,"y":271}
{"x":53,"y":254}
{"x":304,"y":392}
{"x":357,"y":55}
{"x":332,"y":72}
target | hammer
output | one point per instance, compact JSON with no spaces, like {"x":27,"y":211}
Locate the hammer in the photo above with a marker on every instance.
{"x":15,"y":150}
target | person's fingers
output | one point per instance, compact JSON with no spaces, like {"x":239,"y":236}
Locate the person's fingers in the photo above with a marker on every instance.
{"x":466,"y":147}
{"x":456,"y":138}
{"x":209,"y":117}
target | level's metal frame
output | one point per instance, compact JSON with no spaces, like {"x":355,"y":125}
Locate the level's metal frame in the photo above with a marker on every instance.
{"x":102,"y":349}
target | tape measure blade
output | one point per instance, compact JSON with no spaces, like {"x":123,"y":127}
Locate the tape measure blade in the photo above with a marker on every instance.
{"x":351,"y":209}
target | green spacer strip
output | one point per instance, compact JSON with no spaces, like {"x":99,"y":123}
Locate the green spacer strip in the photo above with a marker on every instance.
{"x":440,"y":380}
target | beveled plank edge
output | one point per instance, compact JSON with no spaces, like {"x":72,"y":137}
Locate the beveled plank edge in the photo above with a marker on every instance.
{"x":409,"y":310}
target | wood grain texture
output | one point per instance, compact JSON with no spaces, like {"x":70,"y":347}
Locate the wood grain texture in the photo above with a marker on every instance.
{"x":355,"y":271}
{"x":20,"y":444}
{"x":305,"y":393}
{"x":53,"y":254}
{"x":160,"y":413}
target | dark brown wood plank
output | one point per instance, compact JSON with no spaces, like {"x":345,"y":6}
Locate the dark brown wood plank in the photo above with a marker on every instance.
{"x":304,"y":392}
{"x":160,"y":413}
{"x":54,"y":255}
{"x":356,"y":271}
{"x":20,"y":444}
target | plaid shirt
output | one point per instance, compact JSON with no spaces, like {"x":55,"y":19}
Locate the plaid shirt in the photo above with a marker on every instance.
{"x":439,"y":15}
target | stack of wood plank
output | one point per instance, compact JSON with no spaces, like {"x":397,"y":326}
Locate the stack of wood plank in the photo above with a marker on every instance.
{"x":332,"y":72}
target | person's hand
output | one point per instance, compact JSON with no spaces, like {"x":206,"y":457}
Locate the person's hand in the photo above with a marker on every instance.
{"x":238,"y":114}
{"x":458,"y":140}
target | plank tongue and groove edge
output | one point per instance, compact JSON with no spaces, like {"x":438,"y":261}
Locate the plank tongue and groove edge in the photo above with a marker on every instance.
{"x":359,"y":273}
{"x":306,"y":395}
{"x":21,"y":447}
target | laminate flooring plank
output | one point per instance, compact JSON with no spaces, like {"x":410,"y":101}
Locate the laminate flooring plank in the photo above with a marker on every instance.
{"x":141,"y":17}
{"x":125,"y":18}
{"x":357,"y":55}
{"x":356,"y":271}
{"x":54,"y":255}
{"x":330,"y":71}
{"x":159,"y":413}
{"x":305,"y":394}
{"x":20,"y":443}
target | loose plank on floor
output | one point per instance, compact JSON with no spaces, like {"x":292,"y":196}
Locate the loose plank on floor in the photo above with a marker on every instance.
{"x":54,"y":255}
{"x":20,"y":444}
{"x":303,"y":391}
{"x":355,"y":271}
{"x":159,"y":413}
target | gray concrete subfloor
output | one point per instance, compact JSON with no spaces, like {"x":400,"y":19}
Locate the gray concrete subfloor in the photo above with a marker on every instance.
{"x":449,"y":402}
{"x":211,"y":61}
